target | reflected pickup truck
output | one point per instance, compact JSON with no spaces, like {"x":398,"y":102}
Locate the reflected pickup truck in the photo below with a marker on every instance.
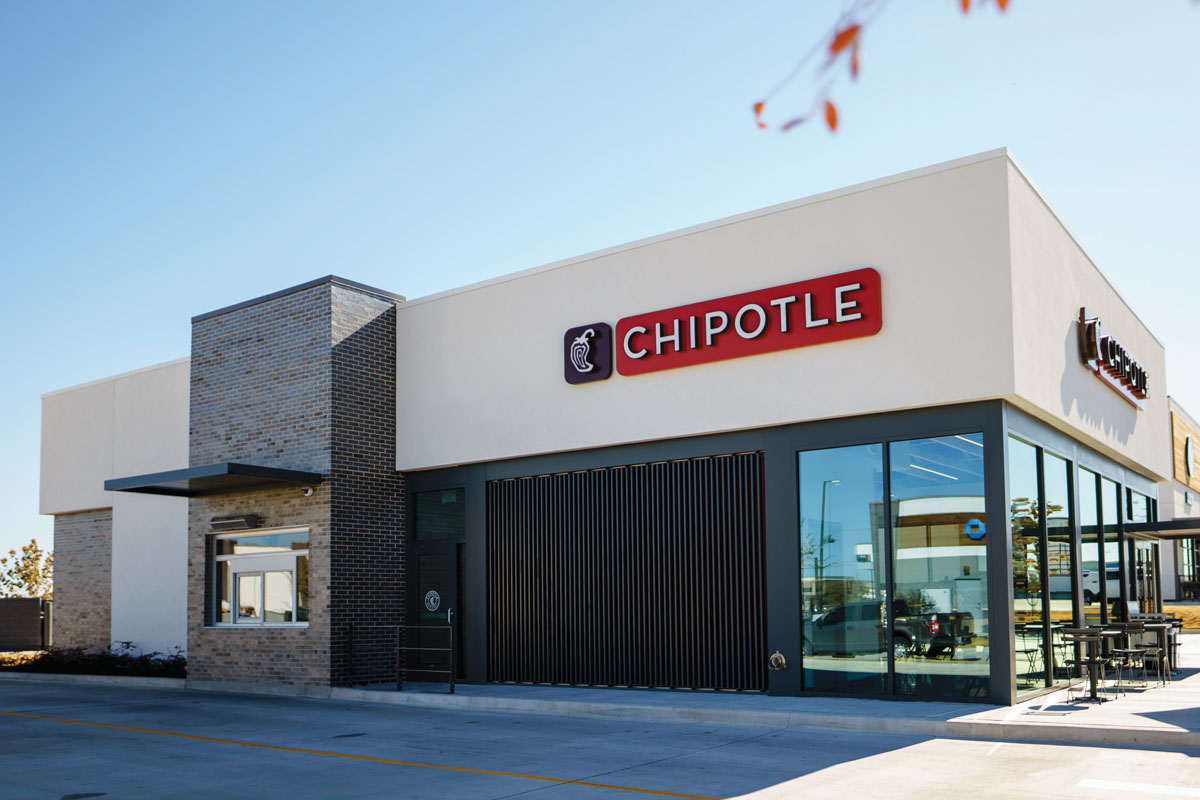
{"x":854,"y":628}
{"x":931,"y":635}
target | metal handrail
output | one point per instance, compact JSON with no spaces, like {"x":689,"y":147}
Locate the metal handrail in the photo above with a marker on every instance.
{"x":403,"y":649}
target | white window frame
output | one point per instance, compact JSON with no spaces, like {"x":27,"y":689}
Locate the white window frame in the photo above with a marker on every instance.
{"x":260,"y":564}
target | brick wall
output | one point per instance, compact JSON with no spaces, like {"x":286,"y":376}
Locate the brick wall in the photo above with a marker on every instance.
{"x":303,"y":381}
{"x":83,"y":579}
{"x":256,"y":654}
{"x":367,"y":512}
{"x":260,"y":384}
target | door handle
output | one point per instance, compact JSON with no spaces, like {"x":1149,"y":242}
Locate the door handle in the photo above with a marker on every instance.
{"x":450,"y":616}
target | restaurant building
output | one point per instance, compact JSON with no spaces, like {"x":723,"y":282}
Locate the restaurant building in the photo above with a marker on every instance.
{"x":1180,"y":497}
{"x":883,"y":441}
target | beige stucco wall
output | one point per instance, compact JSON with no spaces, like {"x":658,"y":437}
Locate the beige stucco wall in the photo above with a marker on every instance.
{"x":149,"y":571}
{"x":129,"y":424}
{"x":480,"y":369}
{"x":1052,"y":278}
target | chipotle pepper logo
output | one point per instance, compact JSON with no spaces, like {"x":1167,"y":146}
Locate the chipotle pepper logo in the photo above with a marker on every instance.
{"x":587,"y":353}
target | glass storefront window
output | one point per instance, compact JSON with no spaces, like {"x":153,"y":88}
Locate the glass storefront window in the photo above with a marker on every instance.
{"x":1059,"y":584}
{"x":843,"y":569}
{"x":1028,"y":561}
{"x":1138,"y":507}
{"x":936,"y":614}
{"x":1089,"y":553}
{"x":1110,"y":494}
{"x":1145,"y":579}
{"x":939,"y":530}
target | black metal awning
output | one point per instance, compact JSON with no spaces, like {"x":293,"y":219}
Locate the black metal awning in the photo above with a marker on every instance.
{"x":212,"y":479}
{"x":1186,"y":528}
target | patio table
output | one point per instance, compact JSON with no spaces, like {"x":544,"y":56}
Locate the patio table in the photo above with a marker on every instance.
{"x":1162,"y":629}
{"x":1092,"y":638}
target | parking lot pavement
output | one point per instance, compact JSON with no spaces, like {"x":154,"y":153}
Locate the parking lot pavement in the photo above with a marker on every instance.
{"x":71,"y":741}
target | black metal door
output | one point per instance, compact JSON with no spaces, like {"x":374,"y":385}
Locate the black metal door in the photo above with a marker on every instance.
{"x":433,"y":609}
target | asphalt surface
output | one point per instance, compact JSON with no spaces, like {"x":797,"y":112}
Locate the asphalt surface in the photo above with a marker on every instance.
{"x":71,"y":741}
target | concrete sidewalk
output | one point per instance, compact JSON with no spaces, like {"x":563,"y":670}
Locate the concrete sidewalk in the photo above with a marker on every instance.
{"x":1161,"y":717}
{"x":1158,"y":716}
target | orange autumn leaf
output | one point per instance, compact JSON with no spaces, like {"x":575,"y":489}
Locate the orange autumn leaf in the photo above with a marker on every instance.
{"x":844,"y":38}
{"x":966,"y":6}
{"x":1003,"y":4}
{"x":758,"y":109}
{"x":830,"y":116}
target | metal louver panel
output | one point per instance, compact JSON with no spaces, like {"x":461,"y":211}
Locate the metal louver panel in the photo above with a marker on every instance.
{"x":645,"y":575}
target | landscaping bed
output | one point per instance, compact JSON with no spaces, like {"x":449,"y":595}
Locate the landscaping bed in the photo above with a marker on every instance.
{"x":79,"y":661}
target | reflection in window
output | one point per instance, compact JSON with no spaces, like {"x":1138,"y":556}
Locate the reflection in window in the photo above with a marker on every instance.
{"x":1144,"y":579}
{"x":1189,"y":569}
{"x":1091,"y":572}
{"x":1110,"y":494}
{"x":249,"y":597}
{"x":1027,"y":561}
{"x":279,"y":595}
{"x":939,"y":528}
{"x":1060,"y":588}
{"x":843,"y":569}
{"x":224,"y":592}
{"x":260,"y":578}
{"x":249,"y":544}
{"x":1138,"y":507}
{"x":302,"y":589}
{"x":440,"y":515}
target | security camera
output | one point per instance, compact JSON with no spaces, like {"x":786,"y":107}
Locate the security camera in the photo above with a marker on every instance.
{"x":307,"y":491}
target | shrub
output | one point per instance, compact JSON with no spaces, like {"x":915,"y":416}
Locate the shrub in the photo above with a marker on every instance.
{"x":123,"y":659}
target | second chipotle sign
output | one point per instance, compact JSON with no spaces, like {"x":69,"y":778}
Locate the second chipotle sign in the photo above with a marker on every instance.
{"x":827,"y":309}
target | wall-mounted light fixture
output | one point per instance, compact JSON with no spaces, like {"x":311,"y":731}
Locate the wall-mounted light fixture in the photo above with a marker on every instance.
{"x":240,"y":522}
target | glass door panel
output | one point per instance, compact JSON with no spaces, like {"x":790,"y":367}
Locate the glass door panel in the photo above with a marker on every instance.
{"x":1028,"y":563}
{"x":939,"y":535}
{"x":843,"y":569}
{"x":1091,"y":570}
{"x":1146,"y":584}
{"x":1114,"y":559}
{"x":1060,"y":594}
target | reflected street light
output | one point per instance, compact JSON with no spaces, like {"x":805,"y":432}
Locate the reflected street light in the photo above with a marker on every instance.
{"x":821,"y":542}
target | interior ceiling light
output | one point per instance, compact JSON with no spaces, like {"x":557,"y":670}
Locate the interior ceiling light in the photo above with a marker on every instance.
{"x":934,"y":471}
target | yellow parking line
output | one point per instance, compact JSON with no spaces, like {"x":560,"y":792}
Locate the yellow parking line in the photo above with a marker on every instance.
{"x":356,"y":757}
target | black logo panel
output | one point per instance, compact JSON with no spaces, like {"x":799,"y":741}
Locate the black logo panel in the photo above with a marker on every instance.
{"x":588,"y":353}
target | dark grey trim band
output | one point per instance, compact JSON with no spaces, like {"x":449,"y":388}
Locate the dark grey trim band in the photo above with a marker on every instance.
{"x":334,"y":279}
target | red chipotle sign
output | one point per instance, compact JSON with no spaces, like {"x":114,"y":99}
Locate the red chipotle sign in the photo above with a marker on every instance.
{"x":828,"y":309}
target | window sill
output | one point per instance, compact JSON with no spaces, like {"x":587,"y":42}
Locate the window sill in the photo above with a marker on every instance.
{"x":233,"y":626}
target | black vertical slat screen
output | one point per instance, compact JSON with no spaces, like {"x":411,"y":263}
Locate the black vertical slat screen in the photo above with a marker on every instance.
{"x":644,"y":575}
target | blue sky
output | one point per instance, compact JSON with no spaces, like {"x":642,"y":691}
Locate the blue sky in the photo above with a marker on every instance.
{"x":159,"y":160}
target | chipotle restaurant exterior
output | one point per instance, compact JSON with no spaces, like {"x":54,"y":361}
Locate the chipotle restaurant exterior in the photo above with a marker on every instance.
{"x":885,"y":441}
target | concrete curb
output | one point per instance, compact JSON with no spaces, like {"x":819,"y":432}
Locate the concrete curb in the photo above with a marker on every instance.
{"x":963,"y":727}
{"x":130,"y":681}
{"x":280,"y":690}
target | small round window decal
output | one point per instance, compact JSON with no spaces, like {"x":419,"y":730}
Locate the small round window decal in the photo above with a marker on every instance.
{"x":432,"y":600}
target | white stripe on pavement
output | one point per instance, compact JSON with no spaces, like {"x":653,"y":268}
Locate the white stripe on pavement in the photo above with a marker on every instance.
{"x":1140,"y":788}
